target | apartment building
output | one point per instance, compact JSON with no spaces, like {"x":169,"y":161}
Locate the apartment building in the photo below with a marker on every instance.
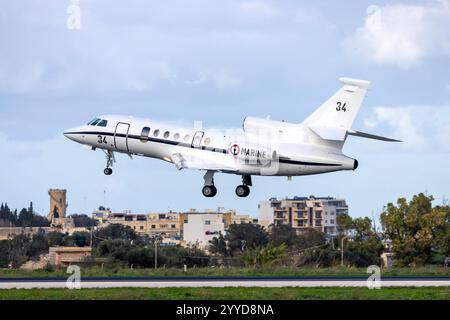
{"x":164,"y":224}
{"x":199,"y":228}
{"x":303,"y":212}
{"x":187,"y":228}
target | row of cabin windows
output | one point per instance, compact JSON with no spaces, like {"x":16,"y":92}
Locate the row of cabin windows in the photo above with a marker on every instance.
{"x":187,"y":138}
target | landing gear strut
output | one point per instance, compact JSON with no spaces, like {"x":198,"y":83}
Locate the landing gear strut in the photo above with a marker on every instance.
{"x":243,"y":190}
{"x":110,"y":159}
{"x":209,"y":190}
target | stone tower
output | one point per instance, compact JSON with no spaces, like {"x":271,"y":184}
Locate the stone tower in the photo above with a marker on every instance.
{"x":58,"y":206}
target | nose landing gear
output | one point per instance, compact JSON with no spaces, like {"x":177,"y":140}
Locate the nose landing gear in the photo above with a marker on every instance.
{"x":110,"y":159}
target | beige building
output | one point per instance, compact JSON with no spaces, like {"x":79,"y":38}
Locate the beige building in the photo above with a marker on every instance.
{"x":137,"y":222}
{"x":302,"y":212}
{"x":64,"y":256}
{"x":168,"y":225}
{"x":243,"y":218}
{"x":164,"y":224}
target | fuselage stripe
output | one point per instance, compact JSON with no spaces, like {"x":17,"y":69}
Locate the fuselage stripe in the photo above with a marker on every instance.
{"x":189,"y":145}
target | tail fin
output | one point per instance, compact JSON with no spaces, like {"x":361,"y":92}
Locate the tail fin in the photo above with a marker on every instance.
{"x":341,"y":109}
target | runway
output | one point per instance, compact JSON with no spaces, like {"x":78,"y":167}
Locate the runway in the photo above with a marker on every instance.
{"x":180,"y":282}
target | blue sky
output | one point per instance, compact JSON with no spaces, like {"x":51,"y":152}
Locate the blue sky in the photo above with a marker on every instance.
{"x":219,"y":62}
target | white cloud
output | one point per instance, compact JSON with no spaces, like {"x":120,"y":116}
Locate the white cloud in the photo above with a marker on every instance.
{"x":222,"y":79}
{"x":258,"y":8}
{"x":419,"y":127}
{"x":403,"y":34}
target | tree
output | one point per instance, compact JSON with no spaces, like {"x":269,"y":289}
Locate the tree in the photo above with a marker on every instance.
{"x":283,"y":234}
{"x":418,"y":231}
{"x":83,"y":221}
{"x":364,"y":247}
{"x":218,"y":245}
{"x":7,"y":216}
{"x":262,"y":256}
{"x":77,"y":239}
{"x":116,"y":250}
{"x":344,"y":222}
{"x":310,"y":238}
{"x":37,"y":245}
{"x":55,"y":238}
{"x":114,"y":231}
{"x":245,"y":235}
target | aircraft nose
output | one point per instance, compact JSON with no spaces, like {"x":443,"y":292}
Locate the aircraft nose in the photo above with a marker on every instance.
{"x":72,"y":134}
{"x":69,"y":134}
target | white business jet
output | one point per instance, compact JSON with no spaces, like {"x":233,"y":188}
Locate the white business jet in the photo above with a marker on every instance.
{"x":262,"y":147}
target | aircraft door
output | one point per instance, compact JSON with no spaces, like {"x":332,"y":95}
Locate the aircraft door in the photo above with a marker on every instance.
{"x":121,"y":136}
{"x":197,"y":139}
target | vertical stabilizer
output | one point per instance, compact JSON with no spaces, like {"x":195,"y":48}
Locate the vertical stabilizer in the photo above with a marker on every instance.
{"x":341,"y":109}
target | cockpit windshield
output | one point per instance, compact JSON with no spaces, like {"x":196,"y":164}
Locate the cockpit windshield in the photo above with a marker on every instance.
{"x":98,"y":122}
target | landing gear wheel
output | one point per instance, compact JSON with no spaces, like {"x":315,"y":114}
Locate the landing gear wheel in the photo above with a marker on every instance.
{"x":108,"y":171}
{"x":242,"y":191}
{"x":209,"y":191}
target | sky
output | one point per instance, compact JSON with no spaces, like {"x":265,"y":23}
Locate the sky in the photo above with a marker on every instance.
{"x":219,"y":62}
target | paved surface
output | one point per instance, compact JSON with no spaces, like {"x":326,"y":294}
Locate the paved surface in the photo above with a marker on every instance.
{"x":223,"y":282}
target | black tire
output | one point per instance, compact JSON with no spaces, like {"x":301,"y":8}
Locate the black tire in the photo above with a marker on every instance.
{"x":247,"y":191}
{"x":209,"y":191}
{"x":242,"y":191}
{"x":214,"y":191}
{"x":108,"y":171}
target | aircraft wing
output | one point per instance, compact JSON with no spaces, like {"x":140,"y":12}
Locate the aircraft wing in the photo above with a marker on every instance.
{"x":191,"y":159}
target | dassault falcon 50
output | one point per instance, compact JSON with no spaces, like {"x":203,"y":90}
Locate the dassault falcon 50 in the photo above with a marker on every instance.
{"x":262,"y":146}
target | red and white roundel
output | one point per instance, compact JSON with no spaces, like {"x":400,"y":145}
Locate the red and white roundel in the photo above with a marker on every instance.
{"x":235,"y":149}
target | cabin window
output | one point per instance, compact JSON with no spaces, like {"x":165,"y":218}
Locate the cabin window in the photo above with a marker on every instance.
{"x":207,"y":141}
{"x":197,"y":139}
{"x":144,"y":134}
{"x":176,"y":136}
{"x":166,"y":134}
{"x":103,"y":123}
{"x":156,"y":133}
{"x":187,"y":138}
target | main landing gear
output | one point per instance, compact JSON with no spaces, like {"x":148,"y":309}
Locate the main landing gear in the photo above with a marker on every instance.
{"x":110,"y":159}
{"x":243,"y":190}
{"x":209,"y":190}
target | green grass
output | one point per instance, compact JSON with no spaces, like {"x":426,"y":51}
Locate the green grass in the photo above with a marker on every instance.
{"x":424,"y":293}
{"x":199,"y":272}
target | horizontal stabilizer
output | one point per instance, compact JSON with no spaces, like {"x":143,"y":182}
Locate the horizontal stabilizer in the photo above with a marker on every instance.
{"x":330,"y":133}
{"x":370,"y":136}
{"x":340,"y":134}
